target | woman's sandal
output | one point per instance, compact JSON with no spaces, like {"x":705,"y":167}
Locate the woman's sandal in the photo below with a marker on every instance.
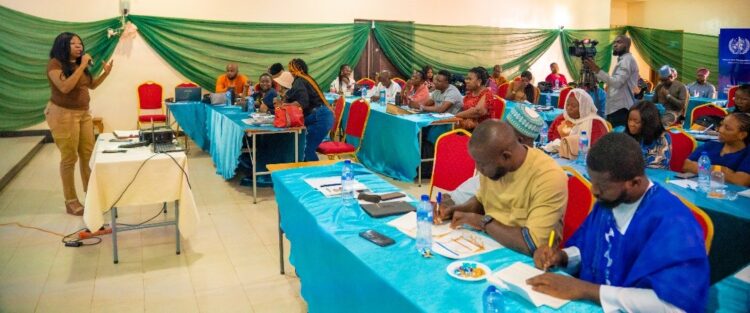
{"x":74,"y":207}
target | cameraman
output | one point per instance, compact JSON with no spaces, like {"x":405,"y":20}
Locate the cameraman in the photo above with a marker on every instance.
{"x":621,"y":84}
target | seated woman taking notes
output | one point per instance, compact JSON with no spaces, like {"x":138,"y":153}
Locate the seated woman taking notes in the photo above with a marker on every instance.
{"x":731,"y":152}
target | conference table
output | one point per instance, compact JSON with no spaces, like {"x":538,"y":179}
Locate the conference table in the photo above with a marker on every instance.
{"x":341,"y":272}
{"x":138,"y":177}
{"x":731,"y":294}
{"x":222,"y":132}
{"x":392,"y":143}
{"x":730,"y":248}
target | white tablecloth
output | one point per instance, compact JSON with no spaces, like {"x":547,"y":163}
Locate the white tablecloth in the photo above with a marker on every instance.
{"x":160,"y":180}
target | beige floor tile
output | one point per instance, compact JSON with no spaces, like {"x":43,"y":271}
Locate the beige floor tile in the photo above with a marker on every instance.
{"x":229,"y":299}
{"x":69,"y":299}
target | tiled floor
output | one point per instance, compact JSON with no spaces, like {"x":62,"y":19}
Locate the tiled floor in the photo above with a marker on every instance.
{"x":229,"y":265}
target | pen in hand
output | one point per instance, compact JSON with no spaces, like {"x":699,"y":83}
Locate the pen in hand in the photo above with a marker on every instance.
{"x":551,"y":242}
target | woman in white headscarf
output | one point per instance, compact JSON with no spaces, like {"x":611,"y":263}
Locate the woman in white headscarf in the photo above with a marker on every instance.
{"x":579,"y":116}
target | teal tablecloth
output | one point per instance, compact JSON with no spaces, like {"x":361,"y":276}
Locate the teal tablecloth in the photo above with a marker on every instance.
{"x":341,"y":272}
{"x":729,"y":295}
{"x":692,"y":103}
{"x":391,"y":143}
{"x":730,"y":248}
{"x":191,"y":116}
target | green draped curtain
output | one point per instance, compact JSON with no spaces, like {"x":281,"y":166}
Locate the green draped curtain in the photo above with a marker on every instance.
{"x":459,"y":48}
{"x":603,"y":49}
{"x":200,"y":50}
{"x":684,"y":51}
{"x":24,"y":53}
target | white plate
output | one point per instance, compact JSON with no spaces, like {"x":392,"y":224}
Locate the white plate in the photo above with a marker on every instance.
{"x":453,"y":266}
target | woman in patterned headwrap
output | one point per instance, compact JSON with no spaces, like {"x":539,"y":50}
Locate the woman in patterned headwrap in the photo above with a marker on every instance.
{"x":306,"y":93}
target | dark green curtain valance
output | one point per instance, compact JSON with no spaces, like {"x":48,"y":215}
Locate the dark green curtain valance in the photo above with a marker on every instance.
{"x":603,"y":49}
{"x":24,"y":53}
{"x":684,"y":51}
{"x":459,"y":48}
{"x":200,"y":50}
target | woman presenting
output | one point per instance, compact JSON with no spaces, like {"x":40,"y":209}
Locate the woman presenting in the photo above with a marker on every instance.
{"x":68,"y":114}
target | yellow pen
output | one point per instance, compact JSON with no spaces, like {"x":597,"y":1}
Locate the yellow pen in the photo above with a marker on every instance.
{"x":551,"y":238}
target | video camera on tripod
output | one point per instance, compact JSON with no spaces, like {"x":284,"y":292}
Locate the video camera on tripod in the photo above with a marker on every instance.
{"x":586,"y":49}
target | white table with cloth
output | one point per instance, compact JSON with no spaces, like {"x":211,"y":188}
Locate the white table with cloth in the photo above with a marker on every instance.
{"x":139,"y":177}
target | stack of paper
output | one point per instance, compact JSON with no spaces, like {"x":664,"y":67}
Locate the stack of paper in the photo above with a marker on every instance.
{"x":124,"y":134}
{"x":446,"y":241}
{"x":514,"y":278}
{"x":331,"y":186}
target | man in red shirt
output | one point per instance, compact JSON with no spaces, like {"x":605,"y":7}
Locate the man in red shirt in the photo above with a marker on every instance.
{"x":556,"y":79}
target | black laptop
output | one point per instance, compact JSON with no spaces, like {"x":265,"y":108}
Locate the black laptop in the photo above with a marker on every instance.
{"x":187,"y":94}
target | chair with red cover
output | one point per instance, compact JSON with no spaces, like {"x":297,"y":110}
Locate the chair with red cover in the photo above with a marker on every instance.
{"x":682,"y":146}
{"x":452,"y":165}
{"x":356,"y":123}
{"x":580,"y":202}
{"x":150,"y":100}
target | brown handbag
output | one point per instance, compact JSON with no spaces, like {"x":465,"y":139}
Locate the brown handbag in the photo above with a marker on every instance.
{"x":569,"y":147}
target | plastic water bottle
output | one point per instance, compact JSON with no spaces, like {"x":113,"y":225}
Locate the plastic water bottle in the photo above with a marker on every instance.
{"x":364,"y":92}
{"x":424,"y":225}
{"x":704,"y":173}
{"x":383,"y":100}
{"x":549,"y":99}
{"x":228,"y":95}
{"x":583,"y":147}
{"x":717,"y":183}
{"x":250,"y":104}
{"x":557,"y":84}
{"x":347,"y":184}
{"x":493,"y":300}
{"x":543,"y":135}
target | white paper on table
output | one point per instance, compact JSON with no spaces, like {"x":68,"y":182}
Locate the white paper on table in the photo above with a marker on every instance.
{"x":685,"y":183}
{"x":744,"y":274}
{"x":514,"y":278}
{"x":121,"y":134}
{"x":331,"y":186}
{"x":446,"y":241}
{"x":745,"y":193}
{"x":442,"y":115}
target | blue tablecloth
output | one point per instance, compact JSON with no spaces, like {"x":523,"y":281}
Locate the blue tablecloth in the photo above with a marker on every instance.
{"x":729,"y":295}
{"x":730,"y":248}
{"x":692,"y":103}
{"x":341,"y":272}
{"x":554,"y":97}
{"x":391,"y":143}
{"x":220,"y":131}
{"x":226,"y":131}
{"x":191,"y":116}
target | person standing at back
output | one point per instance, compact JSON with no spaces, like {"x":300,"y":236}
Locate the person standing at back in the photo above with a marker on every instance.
{"x":621,"y":84}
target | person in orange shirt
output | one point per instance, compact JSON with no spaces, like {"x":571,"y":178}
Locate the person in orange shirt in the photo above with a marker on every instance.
{"x":232,"y":78}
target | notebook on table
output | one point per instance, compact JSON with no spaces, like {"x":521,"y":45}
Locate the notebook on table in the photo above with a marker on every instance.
{"x":384,"y":209}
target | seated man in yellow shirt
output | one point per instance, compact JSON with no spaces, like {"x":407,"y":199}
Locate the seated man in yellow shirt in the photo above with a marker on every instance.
{"x":522,"y":191}
{"x":232,"y":78}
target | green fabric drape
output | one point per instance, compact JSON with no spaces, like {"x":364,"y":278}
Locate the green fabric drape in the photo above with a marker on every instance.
{"x":200,"y":50}
{"x":684,"y":51}
{"x":24,"y":54}
{"x":459,"y":48}
{"x":603,"y":49}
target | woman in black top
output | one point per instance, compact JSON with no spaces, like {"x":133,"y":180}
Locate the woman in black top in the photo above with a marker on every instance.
{"x":306,"y":93}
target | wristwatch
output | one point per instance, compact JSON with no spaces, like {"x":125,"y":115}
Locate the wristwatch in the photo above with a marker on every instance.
{"x":486,"y":220}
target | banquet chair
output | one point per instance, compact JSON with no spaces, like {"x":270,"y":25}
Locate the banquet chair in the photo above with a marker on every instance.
{"x":356,"y":123}
{"x":150,"y":104}
{"x":452,"y":165}
{"x":580,"y":202}
{"x":682,"y":146}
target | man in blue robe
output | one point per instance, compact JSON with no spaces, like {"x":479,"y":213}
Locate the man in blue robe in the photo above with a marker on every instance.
{"x":639,"y":250}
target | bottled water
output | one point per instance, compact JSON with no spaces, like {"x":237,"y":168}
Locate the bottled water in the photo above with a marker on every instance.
{"x":543,"y":135}
{"x":493,"y":300}
{"x":583,"y":147}
{"x":717,"y":184}
{"x":228,"y":95}
{"x":704,"y":173}
{"x":364,"y":92}
{"x":549,"y":99}
{"x":557,"y":84}
{"x":347,"y":184}
{"x":424,"y":225}
{"x":383,"y":100}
